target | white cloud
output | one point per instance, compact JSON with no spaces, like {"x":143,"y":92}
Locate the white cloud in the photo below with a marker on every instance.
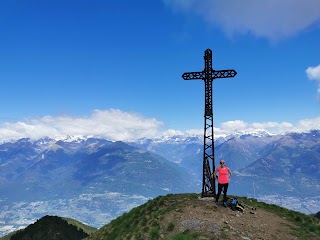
{"x":233,"y":126}
{"x":115,"y":124}
{"x":111,"y":124}
{"x":313,"y":73}
{"x":172,"y":132}
{"x":270,"y":125}
{"x":241,"y":126}
{"x":273,"y":19}
{"x":307,"y":124}
{"x":237,"y":126}
{"x":193,"y":132}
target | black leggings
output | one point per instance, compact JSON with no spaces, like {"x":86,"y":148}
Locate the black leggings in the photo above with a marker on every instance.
{"x":225,"y":189}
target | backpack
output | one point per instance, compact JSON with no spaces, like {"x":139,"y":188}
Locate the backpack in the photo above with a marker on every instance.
{"x":235,"y":205}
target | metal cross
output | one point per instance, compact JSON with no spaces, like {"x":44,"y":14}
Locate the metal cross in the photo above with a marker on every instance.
{"x":208,"y":75}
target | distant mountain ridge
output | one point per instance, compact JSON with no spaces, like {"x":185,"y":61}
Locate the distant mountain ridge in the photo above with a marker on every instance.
{"x":239,"y":150}
{"x":274,"y":163}
{"x":47,"y":167}
{"x":86,"y":163}
{"x":101,"y":179}
{"x":290,"y":165}
{"x":95,"y":179}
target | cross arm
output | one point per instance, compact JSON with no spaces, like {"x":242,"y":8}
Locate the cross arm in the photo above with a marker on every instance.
{"x":193,"y":75}
{"x":224,"y":73}
{"x":215,"y":74}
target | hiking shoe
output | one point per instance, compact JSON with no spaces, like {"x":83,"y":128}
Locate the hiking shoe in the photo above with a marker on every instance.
{"x":225,"y":204}
{"x":217,"y":204}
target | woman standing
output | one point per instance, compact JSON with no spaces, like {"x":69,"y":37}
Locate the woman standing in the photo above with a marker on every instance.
{"x":223,"y":181}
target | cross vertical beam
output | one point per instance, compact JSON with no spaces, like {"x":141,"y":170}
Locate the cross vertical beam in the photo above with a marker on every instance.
{"x":208,"y":75}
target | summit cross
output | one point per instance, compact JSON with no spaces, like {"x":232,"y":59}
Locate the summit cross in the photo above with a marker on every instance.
{"x":208,"y":75}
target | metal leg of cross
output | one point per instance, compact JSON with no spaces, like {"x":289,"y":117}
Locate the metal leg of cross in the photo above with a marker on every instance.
{"x":208,"y":181}
{"x":208,"y":75}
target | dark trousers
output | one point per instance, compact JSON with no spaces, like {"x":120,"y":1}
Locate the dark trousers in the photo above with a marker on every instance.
{"x":223,"y":187}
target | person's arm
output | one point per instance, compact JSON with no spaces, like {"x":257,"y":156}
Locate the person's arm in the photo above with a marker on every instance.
{"x":215,"y":174}
{"x":230,"y":173}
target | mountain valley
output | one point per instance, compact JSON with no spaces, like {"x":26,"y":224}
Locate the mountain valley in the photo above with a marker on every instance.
{"x":95,"y":180}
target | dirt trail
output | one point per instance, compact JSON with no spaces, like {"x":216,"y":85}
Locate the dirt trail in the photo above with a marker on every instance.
{"x":204,"y":216}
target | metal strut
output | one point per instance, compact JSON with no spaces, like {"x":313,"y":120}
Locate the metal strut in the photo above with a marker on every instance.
{"x":208,"y":75}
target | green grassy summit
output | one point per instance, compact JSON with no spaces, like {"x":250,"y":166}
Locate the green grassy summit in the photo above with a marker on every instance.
{"x":183,"y":217}
{"x":186,"y":216}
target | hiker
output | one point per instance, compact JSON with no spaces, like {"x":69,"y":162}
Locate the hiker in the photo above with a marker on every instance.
{"x":223,"y":181}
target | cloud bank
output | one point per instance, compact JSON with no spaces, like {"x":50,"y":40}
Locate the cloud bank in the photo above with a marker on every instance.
{"x":272,"y":19}
{"x":313,"y":73}
{"x":111,"y":124}
{"x":118,"y":125}
{"x":272,"y":127}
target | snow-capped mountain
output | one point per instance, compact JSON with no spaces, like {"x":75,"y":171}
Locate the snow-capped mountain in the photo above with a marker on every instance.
{"x":47,"y":167}
{"x":101,"y":179}
{"x":290,"y":165}
{"x":285,"y":163}
{"x":239,"y":149}
{"x":94,"y":179}
{"x":72,"y":159}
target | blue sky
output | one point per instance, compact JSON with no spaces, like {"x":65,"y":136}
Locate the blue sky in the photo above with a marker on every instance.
{"x":113,"y":68}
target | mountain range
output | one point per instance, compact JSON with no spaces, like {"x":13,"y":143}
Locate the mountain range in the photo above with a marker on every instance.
{"x":101,"y":179}
{"x":47,"y":168}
